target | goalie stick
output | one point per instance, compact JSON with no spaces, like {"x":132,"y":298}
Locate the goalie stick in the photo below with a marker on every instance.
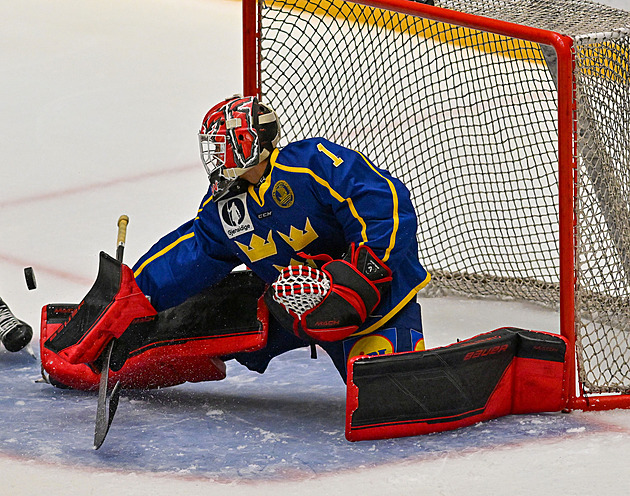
{"x":108,"y":402}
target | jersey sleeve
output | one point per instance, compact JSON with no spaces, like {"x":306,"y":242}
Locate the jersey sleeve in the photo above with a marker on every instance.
{"x":373,"y":207}
{"x":181,"y":264}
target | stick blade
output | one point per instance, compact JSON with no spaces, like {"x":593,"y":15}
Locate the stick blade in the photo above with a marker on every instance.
{"x":107,"y":402}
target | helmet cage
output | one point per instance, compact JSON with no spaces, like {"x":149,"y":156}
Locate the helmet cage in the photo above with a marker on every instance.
{"x":234,"y":137}
{"x":228,"y":142}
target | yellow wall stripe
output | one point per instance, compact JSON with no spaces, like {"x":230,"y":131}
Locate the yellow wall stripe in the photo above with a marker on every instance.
{"x":417,"y":26}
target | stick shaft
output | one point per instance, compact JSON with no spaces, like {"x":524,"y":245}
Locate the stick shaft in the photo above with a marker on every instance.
{"x":108,"y":402}
{"x":122,"y":236}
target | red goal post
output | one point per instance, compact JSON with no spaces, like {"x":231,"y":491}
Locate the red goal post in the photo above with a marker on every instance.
{"x":273,"y":33}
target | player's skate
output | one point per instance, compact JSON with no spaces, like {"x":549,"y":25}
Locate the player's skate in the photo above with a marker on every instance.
{"x":15,"y":334}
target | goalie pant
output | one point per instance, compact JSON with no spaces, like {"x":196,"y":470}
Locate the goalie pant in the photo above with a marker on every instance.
{"x":403,"y":333}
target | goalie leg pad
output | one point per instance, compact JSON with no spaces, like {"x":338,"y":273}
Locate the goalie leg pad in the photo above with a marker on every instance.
{"x":157,"y":367}
{"x":226,"y":318}
{"x":507,"y":371}
{"x":181,"y":344}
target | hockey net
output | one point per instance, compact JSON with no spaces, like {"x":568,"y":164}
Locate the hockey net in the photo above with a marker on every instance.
{"x":468,"y":117}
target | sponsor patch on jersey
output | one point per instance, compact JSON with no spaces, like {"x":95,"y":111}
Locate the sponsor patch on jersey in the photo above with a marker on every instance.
{"x":235,"y":216}
{"x":382,"y":342}
{"x":417,"y":340}
{"x":283,"y":194}
{"x":264,"y":215}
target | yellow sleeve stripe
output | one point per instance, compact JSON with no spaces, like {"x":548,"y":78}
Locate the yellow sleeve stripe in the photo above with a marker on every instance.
{"x":356,"y":215}
{"x":162,"y":252}
{"x":334,"y":194}
{"x":396,"y":220}
{"x":383,"y":320}
{"x":203,"y":205}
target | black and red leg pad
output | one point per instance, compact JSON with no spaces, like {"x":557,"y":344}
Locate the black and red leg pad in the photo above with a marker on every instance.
{"x":181,"y":344}
{"x":503,"y":372}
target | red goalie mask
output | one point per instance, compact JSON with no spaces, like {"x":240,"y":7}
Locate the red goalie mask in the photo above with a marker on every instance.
{"x":235,"y":135}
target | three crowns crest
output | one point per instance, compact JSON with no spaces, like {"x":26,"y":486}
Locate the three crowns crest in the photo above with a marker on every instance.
{"x":260,"y":248}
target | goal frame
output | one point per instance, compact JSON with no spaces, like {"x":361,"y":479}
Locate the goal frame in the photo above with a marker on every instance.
{"x":567,"y":153}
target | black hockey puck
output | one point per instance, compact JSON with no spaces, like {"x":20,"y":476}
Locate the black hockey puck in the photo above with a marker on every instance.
{"x":29,"y":275}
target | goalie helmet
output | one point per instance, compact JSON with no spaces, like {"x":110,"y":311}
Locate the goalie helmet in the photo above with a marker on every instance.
{"x":235,"y":135}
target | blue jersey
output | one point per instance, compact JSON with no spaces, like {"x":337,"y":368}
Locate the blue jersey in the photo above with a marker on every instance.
{"x":317,"y":198}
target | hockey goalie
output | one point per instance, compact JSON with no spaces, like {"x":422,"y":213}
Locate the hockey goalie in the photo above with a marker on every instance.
{"x":313,"y":212}
{"x":330,"y":243}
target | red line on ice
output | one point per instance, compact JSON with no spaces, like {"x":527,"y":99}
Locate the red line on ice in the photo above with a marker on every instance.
{"x":96,"y":186}
{"x":68,"y":276}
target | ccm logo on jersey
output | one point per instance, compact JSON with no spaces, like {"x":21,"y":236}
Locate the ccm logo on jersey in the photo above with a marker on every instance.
{"x":486,"y":351}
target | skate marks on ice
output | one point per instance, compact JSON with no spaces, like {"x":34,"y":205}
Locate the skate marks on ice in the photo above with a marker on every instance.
{"x":287,"y":423}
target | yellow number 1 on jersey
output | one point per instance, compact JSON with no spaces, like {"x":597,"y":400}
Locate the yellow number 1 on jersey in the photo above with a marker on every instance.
{"x":337,"y":161}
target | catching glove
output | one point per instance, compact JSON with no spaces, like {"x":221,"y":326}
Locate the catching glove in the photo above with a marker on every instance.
{"x":330,"y":303}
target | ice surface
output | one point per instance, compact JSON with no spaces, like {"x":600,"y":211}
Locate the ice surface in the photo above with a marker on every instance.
{"x":101,"y":102}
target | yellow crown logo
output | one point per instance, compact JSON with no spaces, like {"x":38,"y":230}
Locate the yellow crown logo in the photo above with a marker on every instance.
{"x":298,"y":238}
{"x":259,"y":248}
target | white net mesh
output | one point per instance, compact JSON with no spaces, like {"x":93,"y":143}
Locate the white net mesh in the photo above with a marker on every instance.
{"x":301,"y":288}
{"x":469,"y":121}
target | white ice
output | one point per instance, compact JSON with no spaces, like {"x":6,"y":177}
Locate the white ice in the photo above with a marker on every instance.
{"x":100,"y":105}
